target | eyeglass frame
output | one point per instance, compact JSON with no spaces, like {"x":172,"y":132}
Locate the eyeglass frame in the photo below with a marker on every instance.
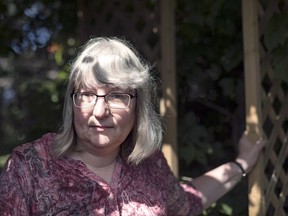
{"x":131,"y":96}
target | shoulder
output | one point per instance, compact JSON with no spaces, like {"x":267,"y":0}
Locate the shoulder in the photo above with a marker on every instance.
{"x":181,"y":197}
{"x":41,"y":145}
{"x":29,"y":158}
{"x":157,"y":170}
{"x":26,"y":163}
{"x":157,"y":161}
{"x":33,"y":152}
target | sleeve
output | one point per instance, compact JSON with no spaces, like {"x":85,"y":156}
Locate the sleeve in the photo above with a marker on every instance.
{"x":13,"y":188}
{"x":182,"y":198}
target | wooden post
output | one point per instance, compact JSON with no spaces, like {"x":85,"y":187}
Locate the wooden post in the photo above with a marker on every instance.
{"x":168,"y":103}
{"x":253,"y":98}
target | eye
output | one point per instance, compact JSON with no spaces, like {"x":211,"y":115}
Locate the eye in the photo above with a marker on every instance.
{"x":86,"y":96}
{"x":117,"y":96}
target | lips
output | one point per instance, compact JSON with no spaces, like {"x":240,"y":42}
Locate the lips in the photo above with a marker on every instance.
{"x":100,"y":127}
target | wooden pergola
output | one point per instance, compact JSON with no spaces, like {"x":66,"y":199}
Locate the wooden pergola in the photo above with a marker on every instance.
{"x":151,"y":30}
{"x":266,"y":113}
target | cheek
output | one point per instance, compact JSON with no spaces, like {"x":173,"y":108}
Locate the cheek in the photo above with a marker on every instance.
{"x":130,"y":116}
{"x":80,"y":117}
{"x":128,"y":121}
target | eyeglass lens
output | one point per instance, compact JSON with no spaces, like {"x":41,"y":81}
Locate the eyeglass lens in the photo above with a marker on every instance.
{"x":114,"y":100}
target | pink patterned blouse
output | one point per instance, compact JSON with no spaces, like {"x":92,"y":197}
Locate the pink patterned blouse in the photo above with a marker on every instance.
{"x":34,"y":182}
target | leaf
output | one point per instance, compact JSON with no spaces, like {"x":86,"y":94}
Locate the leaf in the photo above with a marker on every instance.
{"x":280,"y":62}
{"x":226,"y":209}
{"x":3,"y":159}
{"x":194,"y":141}
{"x":275,"y":32}
{"x":228,"y":86}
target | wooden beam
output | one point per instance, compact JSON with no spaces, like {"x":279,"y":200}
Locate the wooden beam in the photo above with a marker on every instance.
{"x":168,"y":103}
{"x":253,"y":99}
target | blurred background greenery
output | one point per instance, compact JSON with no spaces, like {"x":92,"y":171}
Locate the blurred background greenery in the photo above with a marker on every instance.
{"x":40,"y":37}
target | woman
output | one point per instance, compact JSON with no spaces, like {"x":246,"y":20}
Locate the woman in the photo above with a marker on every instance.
{"x":106,"y":160}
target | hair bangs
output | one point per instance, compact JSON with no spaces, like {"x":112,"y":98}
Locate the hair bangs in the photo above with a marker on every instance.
{"x":114,"y":70}
{"x":85,"y":78}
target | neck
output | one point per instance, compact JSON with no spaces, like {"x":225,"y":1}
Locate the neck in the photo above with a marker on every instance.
{"x":95,"y":160}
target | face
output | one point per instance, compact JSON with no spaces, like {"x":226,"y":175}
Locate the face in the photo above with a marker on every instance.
{"x":102,"y":129}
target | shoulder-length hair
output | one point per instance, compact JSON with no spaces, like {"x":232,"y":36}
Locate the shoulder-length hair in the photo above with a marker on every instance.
{"x":114,"y":62}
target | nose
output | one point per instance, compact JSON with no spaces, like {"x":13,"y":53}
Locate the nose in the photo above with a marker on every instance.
{"x":101,"y":109}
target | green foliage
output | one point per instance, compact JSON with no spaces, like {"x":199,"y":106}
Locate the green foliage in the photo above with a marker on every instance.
{"x":37,"y":42}
{"x":209,"y":67}
{"x":210,"y":88}
{"x":222,"y":210}
{"x":275,"y":41}
{"x":275,"y":33}
{"x":3,"y":159}
{"x":279,"y":61}
{"x":196,"y":140}
{"x":226,"y":209}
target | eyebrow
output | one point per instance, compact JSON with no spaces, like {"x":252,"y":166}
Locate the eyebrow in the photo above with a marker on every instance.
{"x":109,"y":90}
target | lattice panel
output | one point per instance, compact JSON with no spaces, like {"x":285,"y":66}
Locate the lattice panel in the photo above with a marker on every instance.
{"x":138,"y":21}
{"x":275,"y":121}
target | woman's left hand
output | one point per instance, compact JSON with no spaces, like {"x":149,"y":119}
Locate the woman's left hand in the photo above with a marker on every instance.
{"x":248,"y":152}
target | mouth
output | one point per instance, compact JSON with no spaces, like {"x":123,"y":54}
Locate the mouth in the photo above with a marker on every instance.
{"x":100,"y":127}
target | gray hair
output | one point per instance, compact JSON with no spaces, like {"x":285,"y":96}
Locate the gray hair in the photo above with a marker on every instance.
{"x":114,"y":62}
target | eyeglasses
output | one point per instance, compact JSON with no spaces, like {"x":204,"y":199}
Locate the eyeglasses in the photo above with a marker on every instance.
{"x":113,"y":100}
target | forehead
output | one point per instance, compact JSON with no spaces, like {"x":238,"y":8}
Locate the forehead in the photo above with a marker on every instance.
{"x":103,"y":88}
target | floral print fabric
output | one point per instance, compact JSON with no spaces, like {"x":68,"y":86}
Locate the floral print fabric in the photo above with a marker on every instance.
{"x":34,"y":182}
